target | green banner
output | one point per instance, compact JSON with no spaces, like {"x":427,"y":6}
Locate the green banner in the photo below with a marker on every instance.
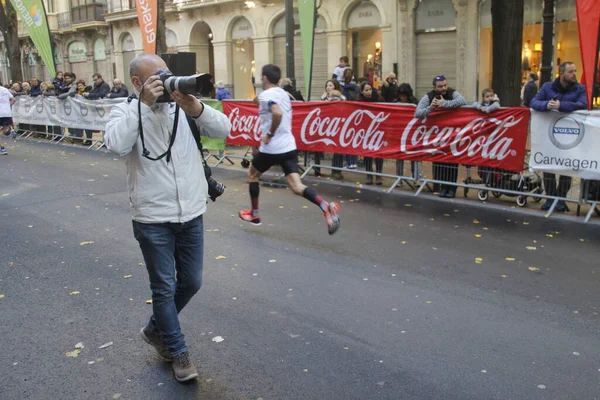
{"x":307,"y":13}
{"x":33,"y":16}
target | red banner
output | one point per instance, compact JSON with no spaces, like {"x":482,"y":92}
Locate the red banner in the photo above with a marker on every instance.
{"x":462,"y":136}
{"x":147,"y":11}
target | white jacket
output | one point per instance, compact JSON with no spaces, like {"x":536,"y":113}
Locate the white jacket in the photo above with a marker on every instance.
{"x":159,"y":192}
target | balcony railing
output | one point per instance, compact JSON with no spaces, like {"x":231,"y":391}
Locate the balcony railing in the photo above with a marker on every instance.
{"x":83,"y":11}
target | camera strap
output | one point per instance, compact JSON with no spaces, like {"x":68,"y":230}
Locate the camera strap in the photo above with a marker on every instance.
{"x":145,"y":151}
{"x":196,"y":134}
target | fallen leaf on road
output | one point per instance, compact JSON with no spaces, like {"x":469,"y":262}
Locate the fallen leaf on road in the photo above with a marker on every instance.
{"x":428,"y":302}
{"x":280,"y":206}
{"x":79,"y":345}
{"x":358,"y":191}
{"x":446,"y":215}
{"x":1,"y":296}
{"x":148,"y":301}
{"x":411,"y":224}
{"x":478,"y":260}
{"x":534,"y":269}
{"x":73,"y":353}
{"x":272,"y":261}
{"x":504,"y":276}
{"x":91,"y":180}
{"x":525,"y":223}
{"x":72,"y":293}
{"x":475,"y":221}
{"x":510,"y":259}
{"x":106,"y":176}
{"x":408,"y":205}
{"x":532,"y":248}
{"x":304,"y":206}
{"x":477,"y":235}
{"x":217,"y":339}
{"x":127,"y":276}
{"x":86,"y":243}
{"x":140,"y":264}
{"x":5,"y":194}
{"x":403,"y":242}
{"x":582,"y":240}
{"x":220,"y":257}
{"x":105,"y":345}
{"x":550,"y":235}
{"x":116,"y":395}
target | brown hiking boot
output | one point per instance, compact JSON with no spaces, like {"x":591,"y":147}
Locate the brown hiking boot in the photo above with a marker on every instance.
{"x":153,"y":339}
{"x":183,"y":367}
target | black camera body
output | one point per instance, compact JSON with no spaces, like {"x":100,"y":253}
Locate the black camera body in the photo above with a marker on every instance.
{"x":215,"y":189}
{"x":196,"y":84}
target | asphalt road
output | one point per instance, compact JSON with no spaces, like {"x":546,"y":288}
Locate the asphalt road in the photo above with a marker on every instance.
{"x":414,"y":298}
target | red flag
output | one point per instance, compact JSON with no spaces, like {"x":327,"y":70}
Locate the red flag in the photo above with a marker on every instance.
{"x":588,"y":19}
{"x":147,"y":11}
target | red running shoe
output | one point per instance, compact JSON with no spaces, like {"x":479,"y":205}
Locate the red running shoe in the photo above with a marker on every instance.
{"x":332,"y":215}
{"x":246,"y":215}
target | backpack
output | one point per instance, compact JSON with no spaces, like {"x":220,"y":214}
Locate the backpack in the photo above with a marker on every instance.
{"x":352,"y":93}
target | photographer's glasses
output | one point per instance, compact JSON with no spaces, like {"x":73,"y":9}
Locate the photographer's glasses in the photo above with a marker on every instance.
{"x":440,"y":78}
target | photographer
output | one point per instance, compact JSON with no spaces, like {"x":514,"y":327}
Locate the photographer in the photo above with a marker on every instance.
{"x":168,"y":197}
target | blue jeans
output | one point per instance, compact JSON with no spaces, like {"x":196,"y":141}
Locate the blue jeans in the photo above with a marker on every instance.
{"x":173,"y":255}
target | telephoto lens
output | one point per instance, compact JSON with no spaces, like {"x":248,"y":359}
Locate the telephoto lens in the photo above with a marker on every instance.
{"x":196,"y":84}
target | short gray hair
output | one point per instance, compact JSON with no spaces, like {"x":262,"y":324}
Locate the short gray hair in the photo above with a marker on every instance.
{"x":134,"y":65}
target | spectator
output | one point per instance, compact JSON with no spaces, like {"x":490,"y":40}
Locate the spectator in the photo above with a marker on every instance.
{"x":530,"y":89}
{"x":389,"y":90}
{"x":26,"y":88}
{"x":17,"y":90}
{"x":490,"y":102}
{"x":441,"y":96}
{"x":48,"y":89}
{"x":222,"y":93}
{"x":330,"y":86}
{"x":287,"y":85}
{"x":69,"y":82}
{"x":338,"y":72}
{"x":118,"y":90}
{"x":333,"y":92}
{"x":82,"y":90}
{"x":59,"y":82}
{"x":36,"y":89}
{"x":100,"y":88}
{"x":565,"y":95}
{"x":405,"y":96}
{"x":6,"y":102}
{"x":369,"y":94}
{"x":350,"y":89}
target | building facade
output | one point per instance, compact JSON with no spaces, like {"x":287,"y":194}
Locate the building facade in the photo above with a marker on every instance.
{"x":233,"y":39}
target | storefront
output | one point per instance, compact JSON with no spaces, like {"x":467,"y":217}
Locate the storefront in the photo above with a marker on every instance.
{"x":128,"y":51}
{"x":435,"y":32}
{"x":364,"y":42}
{"x":566,"y":41}
{"x":242,"y":47}
{"x":320,"y":72}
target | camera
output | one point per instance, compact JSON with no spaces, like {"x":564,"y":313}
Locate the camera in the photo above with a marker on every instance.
{"x":215,"y":189}
{"x":195,"y":84}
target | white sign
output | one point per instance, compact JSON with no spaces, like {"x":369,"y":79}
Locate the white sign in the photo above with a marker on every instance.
{"x":77,"y":52}
{"x":435,"y":15}
{"x":99,"y":50}
{"x":365,"y":15}
{"x":242,"y":30}
{"x":566,"y":144}
{"x":72,"y":112}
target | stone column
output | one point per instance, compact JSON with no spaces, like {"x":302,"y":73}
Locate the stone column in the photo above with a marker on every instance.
{"x":336,"y":48}
{"x":407,"y":58}
{"x":222,"y":55}
{"x":466,"y":46}
{"x":262,"y":55}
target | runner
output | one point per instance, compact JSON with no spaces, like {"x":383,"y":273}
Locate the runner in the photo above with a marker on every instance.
{"x":278,"y":147}
{"x":6,"y":102}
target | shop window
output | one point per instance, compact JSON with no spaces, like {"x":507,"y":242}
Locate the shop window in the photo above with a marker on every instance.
{"x":566,"y":39}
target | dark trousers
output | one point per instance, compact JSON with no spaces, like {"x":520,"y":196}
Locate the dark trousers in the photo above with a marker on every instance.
{"x":378,"y":164}
{"x":338,"y":161}
{"x":564,"y":185}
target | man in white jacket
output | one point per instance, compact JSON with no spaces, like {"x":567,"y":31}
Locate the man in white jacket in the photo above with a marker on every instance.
{"x":168,"y":198}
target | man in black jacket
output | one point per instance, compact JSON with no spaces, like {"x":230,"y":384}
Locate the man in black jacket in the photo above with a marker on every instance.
{"x":100,"y":89}
{"x":530,"y":89}
{"x":118,"y":90}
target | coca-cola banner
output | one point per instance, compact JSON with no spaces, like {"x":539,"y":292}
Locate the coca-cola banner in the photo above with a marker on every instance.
{"x":462,"y":136}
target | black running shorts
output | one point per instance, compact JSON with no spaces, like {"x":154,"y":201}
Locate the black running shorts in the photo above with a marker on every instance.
{"x":288,"y":161}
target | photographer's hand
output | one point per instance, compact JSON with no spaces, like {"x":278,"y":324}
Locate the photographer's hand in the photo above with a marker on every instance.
{"x":152,"y":90}
{"x":189,"y":104}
